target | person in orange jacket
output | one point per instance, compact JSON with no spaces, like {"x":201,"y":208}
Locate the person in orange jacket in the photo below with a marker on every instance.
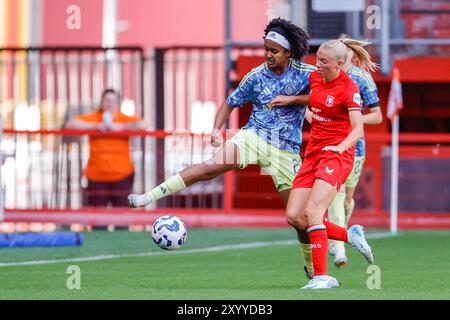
{"x":110,"y":170}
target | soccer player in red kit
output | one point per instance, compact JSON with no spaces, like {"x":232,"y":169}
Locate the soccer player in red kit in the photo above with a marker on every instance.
{"x":336,"y":126}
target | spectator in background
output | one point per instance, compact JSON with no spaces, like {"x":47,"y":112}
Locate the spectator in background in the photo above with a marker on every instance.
{"x":110,"y":170}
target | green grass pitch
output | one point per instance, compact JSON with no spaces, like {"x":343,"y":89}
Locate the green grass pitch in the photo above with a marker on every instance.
{"x":413,"y":265}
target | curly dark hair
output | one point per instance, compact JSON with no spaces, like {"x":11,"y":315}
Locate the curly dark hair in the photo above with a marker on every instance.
{"x":297,"y":37}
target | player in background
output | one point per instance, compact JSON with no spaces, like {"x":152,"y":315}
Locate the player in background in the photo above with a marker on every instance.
{"x":271,"y":138}
{"x":343,"y":204}
{"x":336,"y":127}
{"x":358,"y":66}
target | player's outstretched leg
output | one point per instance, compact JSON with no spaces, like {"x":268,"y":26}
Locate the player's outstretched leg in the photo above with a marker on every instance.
{"x":321,"y":280}
{"x":354,"y":236}
{"x":168,"y":187}
{"x":225,"y":159}
{"x":305,"y":210}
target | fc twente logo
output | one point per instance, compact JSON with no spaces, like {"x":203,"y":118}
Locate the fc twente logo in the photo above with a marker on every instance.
{"x":330,"y":101}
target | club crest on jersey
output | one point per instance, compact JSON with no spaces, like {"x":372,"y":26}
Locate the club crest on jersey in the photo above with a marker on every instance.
{"x":330,"y":101}
{"x":289,"y":89}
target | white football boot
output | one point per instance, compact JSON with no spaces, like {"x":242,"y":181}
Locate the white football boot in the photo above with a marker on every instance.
{"x":136,"y":201}
{"x":322,"y":282}
{"x":132,"y":200}
{"x":357,"y":241}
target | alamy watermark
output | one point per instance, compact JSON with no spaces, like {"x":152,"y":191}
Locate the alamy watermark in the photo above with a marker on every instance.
{"x":374,"y":280}
{"x":73,"y":21}
{"x":373,"y":19}
{"x":73,"y":281}
{"x":264,"y":148}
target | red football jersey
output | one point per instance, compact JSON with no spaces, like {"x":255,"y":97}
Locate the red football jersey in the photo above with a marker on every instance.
{"x":330,"y":103}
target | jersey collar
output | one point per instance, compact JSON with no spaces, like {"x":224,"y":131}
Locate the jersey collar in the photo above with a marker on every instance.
{"x":274,"y":75}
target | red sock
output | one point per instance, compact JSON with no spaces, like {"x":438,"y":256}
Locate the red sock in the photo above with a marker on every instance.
{"x":318,"y":235}
{"x":334,"y":231}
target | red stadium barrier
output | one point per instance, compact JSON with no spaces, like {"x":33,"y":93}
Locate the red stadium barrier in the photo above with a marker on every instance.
{"x":211,"y":218}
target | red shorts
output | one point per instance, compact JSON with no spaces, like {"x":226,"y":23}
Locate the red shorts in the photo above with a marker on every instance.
{"x":329,"y":166}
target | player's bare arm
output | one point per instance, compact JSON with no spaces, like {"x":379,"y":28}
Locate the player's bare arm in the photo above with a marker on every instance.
{"x":221,"y":117}
{"x":282,"y":100}
{"x":374,"y":116}
{"x":308,"y":114}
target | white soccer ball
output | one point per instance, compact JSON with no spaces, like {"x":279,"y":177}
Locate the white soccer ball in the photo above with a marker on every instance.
{"x":169,"y":232}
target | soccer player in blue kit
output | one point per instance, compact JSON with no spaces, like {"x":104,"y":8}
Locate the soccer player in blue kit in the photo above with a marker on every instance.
{"x":343,"y":204}
{"x":272,"y":137}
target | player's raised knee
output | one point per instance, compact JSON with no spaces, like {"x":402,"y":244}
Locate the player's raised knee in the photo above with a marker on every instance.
{"x":290,"y":219}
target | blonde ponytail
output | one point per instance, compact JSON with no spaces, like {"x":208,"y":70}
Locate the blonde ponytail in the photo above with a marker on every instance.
{"x":363,"y":56}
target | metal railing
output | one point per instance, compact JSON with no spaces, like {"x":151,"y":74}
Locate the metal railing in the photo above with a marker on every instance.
{"x":51,"y":84}
{"x":45,"y":169}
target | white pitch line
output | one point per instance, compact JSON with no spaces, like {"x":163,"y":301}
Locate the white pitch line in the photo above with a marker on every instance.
{"x":250,"y":245}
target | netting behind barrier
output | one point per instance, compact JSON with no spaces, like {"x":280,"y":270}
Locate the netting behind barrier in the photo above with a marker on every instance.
{"x":44,"y":170}
{"x":41,"y":88}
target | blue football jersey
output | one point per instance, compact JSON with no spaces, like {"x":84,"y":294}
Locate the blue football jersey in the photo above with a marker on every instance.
{"x":280,"y":127}
{"x":369,"y":97}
